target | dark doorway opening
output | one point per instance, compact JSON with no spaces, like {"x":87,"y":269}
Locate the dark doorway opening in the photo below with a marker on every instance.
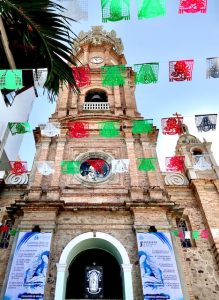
{"x":112,"y":281}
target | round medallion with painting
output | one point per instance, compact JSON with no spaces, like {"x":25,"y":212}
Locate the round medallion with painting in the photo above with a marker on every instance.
{"x":94,"y":169}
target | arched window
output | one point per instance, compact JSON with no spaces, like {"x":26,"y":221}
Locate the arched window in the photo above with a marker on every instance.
{"x":197,"y":152}
{"x":184,"y":226}
{"x":94,"y":274}
{"x":96,"y":95}
{"x":5,"y":234}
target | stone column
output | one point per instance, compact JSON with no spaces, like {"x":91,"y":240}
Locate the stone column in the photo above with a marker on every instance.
{"x":42,"y":154}
{"x":136,"y":191}
{"x":58,"y":158}
{"x":129,"y":100}
{"x":154,"y":177}
{"x":207,"y":195}
{"x":86,"y":54}
{"x":62,"y":274}
{"x":107,"y":55}
{"x":62,"y":101}
{"x":117,"y":101}
{"x":127,"y":281}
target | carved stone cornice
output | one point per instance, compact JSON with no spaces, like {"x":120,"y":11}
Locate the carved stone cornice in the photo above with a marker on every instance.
{"x":97,"y":36}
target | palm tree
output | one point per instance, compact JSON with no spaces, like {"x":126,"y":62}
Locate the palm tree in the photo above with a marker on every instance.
{"x":35,"y":34}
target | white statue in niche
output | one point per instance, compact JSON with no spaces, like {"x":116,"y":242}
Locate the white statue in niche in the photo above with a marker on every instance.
{"x":94,"y":277}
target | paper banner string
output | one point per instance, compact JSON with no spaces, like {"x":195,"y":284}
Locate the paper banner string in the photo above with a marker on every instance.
{"x":206,"y":122}
{"x":120,"y":165}
{"x":4,"y":228}
{"x":172,"y":125}
{"x":12,"y":232}
{"x":11,"y":79}
{"x":75,"y":9}
{"x":192,"y":6}
{"x":115,"y":10}
{"x":50,"y":129}
{"x":204,"y":234}
{"x":195,"y":234}
{"x":151,"y":8}
{"x":201,"y":162}
{"x":18,"y":167}
{"x":175,"y":163}
{"x":113,"y":75}
{"x":147,"y":164}
{"x":19,"y":127}
{"x":82,"y":76}
{"x":175,"y":232}
{"x":45,"y":167}
{"x":78,"y":129}
{"x":39,"y":77}
{"x":109,"y":129}
{"x":181,"y":234}
{"x":146,"y":73}
{"x":180,"y":70}
{"x":142,"y":126}
{"x":97,"y":164}
{"x":215,"y":233}
{"x":70,"y":167}
{"x":212,"y":67}
{"x":187,"y":235}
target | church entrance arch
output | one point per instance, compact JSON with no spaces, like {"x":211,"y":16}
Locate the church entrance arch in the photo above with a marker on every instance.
{"x":108,"y":247}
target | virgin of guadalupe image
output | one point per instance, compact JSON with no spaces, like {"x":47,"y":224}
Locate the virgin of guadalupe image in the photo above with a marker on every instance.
{"x":35,"y":276}
{"x":93,"y":277}
{"x":150,"y":273}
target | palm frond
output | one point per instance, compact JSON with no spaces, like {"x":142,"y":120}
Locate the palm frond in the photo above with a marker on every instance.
{"x":40,"y":36}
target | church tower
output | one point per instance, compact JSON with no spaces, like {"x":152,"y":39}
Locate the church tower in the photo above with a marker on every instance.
{"x":113,"y":204}
{"x":96,"y":217}
{"x":199,"y":160}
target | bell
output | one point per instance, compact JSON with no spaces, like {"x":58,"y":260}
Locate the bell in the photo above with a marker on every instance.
{"x":96,"y":98}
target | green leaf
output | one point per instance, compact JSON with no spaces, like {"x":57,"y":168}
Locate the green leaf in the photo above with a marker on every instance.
{"x":38,"y":27}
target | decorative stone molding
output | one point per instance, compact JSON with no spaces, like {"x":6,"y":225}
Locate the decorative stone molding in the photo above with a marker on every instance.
{"x":17,"y":179}
{"x":97,"y":36}
{"x":62,"y":267}
{"x":127,"y":267}
{"x":175,"y":179}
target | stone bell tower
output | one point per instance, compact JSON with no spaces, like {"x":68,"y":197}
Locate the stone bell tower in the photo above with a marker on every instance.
{"x":99,"y":48}
{"x":112,"y":204}
{"x":199,"y":160}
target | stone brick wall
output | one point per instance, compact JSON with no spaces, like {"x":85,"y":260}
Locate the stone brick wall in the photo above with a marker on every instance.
{"x":199,"y":262}
{"x":70,"y":225}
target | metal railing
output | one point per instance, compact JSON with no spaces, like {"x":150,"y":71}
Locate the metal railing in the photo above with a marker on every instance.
{"x":96,"y":106}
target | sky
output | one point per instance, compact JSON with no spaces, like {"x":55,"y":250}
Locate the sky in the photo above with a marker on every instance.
{"x":161,"y":39}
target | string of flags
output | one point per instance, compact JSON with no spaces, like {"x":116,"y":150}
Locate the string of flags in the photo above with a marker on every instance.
{"x":6,"y":228}
{"x":111,"y":129}
{"x":170,"y":126}
{"x":146,"y":164}
{"x":117,"y":10}
{"x":145,"y":73}
{"x":194,"y":234}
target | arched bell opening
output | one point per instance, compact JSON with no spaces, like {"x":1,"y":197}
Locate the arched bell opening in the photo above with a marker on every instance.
{"x":94,"y":274}
{"x":197,"y":152}
{"x":95,"y":96}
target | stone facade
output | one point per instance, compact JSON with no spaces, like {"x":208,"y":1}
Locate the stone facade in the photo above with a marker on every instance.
{"x":121,"y":205}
